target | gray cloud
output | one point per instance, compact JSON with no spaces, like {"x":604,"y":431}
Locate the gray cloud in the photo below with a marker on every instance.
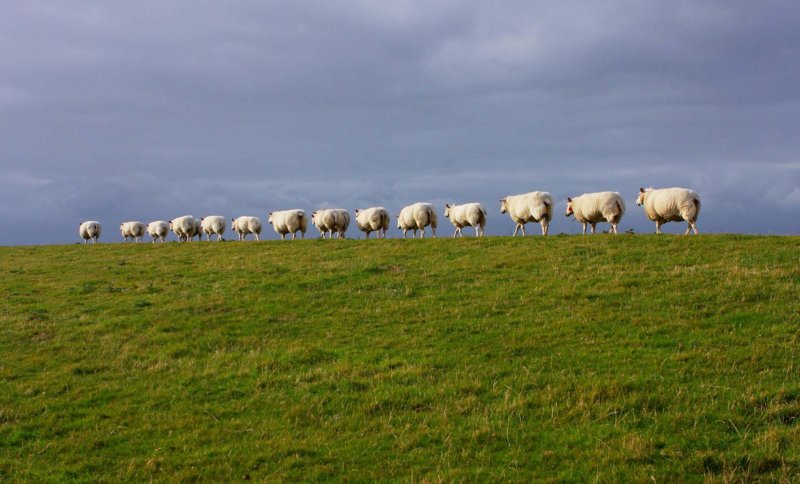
{"x":152,"y":110}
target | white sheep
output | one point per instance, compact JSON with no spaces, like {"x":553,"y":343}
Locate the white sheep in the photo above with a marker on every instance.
{"x":466,"y":215}
{"x":186,"y":227}
{"x":213,"y":224}
{"x":89,"y":230}
{"x":375,"y":219}
{"x":289,"y":222}
{"x":591,"y":208}
{"x":247,"y":225}
{"x":416,"y":217}
{"x":133,"y":230}
{"x":670,"y":205}
{"x":331,"y":220}
{"x":158,"y":229}
{"x":529,"y":207}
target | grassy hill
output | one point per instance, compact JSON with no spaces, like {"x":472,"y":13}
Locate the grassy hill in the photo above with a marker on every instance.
{"x":562,"y":357}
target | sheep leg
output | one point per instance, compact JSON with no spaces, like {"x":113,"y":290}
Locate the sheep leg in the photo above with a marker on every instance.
{"x":593,"y":228}
{"x":584,"y":229}
{"x":694,"y":227}
{"x":545,"y":226}
{"x":614,"y":228}
{"x":522,"y":226}
{"x":658,"y":227}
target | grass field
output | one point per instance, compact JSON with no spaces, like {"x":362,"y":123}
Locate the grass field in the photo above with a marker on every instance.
{"x":566,"y":357}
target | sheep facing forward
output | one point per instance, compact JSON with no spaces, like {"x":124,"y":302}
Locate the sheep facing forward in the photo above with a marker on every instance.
{"x":133,"y":230}
{"x":212,"y":224}
{"x":289,"y":222}
{"x":670,"y":205}
{"x":89,"y":230}
{"x":331,"y":220}
{"x":417,"y":217}
{"x":158,"y":229}
{"x":246,"y":225}
{"x":529,"y":207}
{"x":592,"y":208}
{"x":466,"y":215}
{"x":375,"y":219}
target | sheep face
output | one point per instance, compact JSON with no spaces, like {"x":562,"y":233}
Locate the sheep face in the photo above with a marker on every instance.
{"x":503,"y":205}
{"x":642,"y":193}
{"x":270,"y":218}
{"x":569,"y":208}
{"x":447,"y":208}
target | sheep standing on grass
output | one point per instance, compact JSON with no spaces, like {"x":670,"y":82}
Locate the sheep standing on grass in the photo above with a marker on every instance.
{"x":133,"y":230}
{"x":213,"y":224}
{"x":247,"y":225}
{"x":466,"y":215}
{"x":529,"y":207}
{"x":417,"y":217}
{"x":375,"y":219}
{"x":591,"y":208}
{"x":289,"y":222}
{"x":89,"y":230}
{"x":158,"y":229}
{"x":186,"y":227}
{"x":331,"y":220}
{"x":670,"y":205}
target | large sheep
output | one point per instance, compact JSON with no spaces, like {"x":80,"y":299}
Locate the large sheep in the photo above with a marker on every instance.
{"x":375,"y":219}
{"x":591,"y":208}
{"x":185,"y":227}
{"x":529,"y":207}
{"x":89,"y":230}
{"x":133,"y":230}
{"x":466,"y":215}
{"x":158,"y":229}
{"x":247,"y":225}
{"x":289,"y":222}
{"x":331,"y":220}
{"x":417,"y":217}
{"x":213,"y":224}
{"x":670,"y":205}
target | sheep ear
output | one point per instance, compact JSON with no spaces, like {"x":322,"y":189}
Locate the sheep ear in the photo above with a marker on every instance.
{"x":569,"y":199}
{"x":641,"y":190}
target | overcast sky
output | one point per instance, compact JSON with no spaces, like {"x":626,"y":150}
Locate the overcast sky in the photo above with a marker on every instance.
{"x":149,"y":110}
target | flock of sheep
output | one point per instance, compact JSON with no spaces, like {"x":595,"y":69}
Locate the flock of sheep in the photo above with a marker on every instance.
{"x":660,"y":205}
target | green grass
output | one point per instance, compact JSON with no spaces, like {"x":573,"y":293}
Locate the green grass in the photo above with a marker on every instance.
{"x":564,"y":358}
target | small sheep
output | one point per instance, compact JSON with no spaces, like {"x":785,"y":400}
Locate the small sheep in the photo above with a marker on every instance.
{"x":466,"y":215}
{"x":89,"y":230}
{"x":158,"y":229}
{"x":289,"y":222}
{"x":185,"y":227}
{"x":134,"y":230}
{"x":529,"y":207}
{"x":591,"y":208}
{"x":213,"y":224}
{"x":375,"y":219}
{"x":247,"y":225}
{"x":331,"y":220}
{"x":417,"y":217}
{"x":670,"y":205}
